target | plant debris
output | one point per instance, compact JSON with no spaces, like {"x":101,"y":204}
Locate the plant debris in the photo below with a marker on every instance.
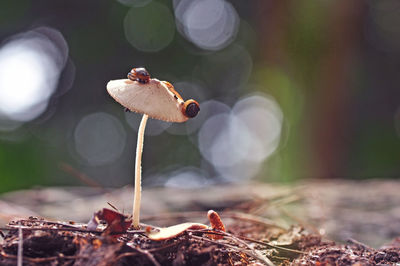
{"x":246,"y":242}
{"x":49,"y":243}
{"x":249,"y":238}
{"x":117,"y":223}
{"x":353,"y":254}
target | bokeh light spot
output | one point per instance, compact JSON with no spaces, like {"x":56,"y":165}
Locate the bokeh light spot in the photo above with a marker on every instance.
{"x":227,"y":71}
{"x":207,"y":109}
{"x":99,"y":138}
{"x":187,"y":177}
{"x":30,"y":66}
{"x":209,"y":24}
{"x":236,"y":143}
{"x":222,"y":141}
{"x":150,"y":28}
{"x":263,"y":118}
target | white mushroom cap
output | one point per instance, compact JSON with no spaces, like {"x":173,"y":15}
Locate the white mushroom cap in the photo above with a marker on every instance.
{"x":155,"y":98}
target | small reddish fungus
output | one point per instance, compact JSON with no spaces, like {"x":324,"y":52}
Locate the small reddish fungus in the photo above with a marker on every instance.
{"x":216,"y":223}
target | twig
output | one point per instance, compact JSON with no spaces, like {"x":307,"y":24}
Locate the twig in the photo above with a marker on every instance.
{"x":252,"y":218}
{"x":149,"y":256}
{"x":266,"y":260}
{"x":126,"y":254}
{"x":305,"y":224}
{"x":276,"y":203}
{"x":47,"y":222}
{"x":39,"y":260}
{"x":81,"y":176}
{"x":163,"y":247}
{"x":250,"y":253}
{"x":50,"y":229}
{"x":207,"y":231}
{"x":69,"y":229}
{"x":147,"y":253}
{"x":359,"y":244}
{"x":59,"y":224}
{"x":237,"y":240}
{"x":112,"y":206}
{"x":271,"y":246}
{"x":226,"y":214}
{"x":20,"y":247}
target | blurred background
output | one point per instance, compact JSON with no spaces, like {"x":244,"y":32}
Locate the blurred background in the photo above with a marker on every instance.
{"x":289,"y":90}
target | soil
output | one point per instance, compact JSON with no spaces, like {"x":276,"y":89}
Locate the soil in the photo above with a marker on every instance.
{"x":250,"y":239}
{"x":51,"y":243}
{"x":247,"y":241}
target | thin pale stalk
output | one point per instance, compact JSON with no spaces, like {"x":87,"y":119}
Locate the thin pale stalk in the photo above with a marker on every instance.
{"x":138,"y":172}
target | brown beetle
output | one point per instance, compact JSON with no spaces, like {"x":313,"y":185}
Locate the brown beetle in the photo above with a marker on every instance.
{"x":139,"y":74}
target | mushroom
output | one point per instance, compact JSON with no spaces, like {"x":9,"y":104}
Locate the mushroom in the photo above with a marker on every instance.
{"x":152,"y":98}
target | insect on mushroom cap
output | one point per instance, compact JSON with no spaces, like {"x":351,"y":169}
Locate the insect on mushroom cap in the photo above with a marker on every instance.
{"x":139,"y":74}
{"x":158,"y":99}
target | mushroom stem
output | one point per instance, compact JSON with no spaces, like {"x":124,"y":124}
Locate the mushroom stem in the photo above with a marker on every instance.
{"x":138,"y":172}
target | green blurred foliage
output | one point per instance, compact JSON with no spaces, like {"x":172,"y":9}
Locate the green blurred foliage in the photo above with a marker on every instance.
{"x":312,"y":42}
{"x":22,"y":165}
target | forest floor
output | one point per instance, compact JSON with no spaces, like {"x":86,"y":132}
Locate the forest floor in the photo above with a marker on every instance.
{"x":315,"y":223}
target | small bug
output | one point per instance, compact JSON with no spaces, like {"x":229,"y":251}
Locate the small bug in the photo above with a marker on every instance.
{"x":139,"y":74}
